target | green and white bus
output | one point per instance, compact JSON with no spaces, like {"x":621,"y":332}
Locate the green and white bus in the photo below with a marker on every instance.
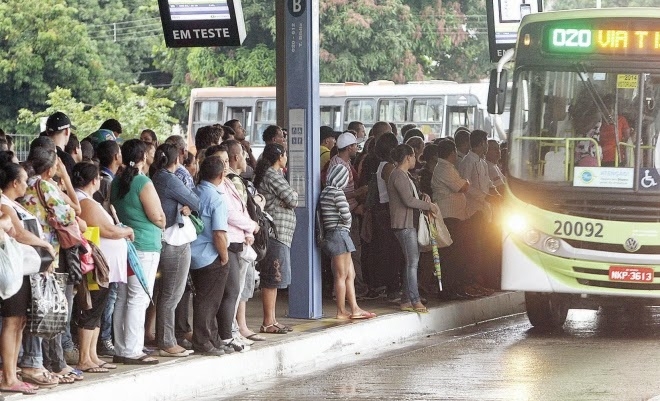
{"x":582,"y":206}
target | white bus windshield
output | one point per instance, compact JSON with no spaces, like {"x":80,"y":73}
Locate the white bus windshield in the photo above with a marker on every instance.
{"x":569,"y":126}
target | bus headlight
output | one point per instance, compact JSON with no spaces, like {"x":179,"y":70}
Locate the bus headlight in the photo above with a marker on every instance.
{"x":551,"y":244}
{"x":532,"y":237}
{"x":516,"y":223}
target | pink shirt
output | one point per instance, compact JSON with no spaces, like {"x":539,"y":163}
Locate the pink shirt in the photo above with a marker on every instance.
{"x":239,"y":221}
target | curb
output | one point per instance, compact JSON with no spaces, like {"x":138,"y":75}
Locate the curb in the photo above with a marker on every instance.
{"x":189,"y":378}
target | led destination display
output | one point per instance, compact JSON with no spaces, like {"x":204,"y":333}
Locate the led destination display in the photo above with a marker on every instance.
{"x":602,"y":41}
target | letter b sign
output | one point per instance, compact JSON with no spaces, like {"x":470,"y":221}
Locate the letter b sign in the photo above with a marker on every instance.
{"x":296,"y":7}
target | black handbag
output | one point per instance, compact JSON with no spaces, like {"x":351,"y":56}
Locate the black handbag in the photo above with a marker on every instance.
{"x":48,"y":309}
{"x":32,"y":225}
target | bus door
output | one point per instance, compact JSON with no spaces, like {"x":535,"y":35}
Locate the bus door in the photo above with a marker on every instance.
{"x":331,"y":117}
{"x":462,"y":111}
{"x":428,"y":114}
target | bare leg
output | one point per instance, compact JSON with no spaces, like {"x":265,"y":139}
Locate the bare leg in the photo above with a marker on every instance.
{"x":85,"y":337}
{"x":10,"y":343}
{"x":340,"y":271}
{"x":269,"y":299}
{"x":241,"y":321}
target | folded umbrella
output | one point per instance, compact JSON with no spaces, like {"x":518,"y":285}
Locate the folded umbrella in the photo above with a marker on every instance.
{"x":136,"y":266}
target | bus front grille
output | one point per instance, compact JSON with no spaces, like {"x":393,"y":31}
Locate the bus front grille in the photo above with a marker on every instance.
{"x":608,"y":209}
{"x":619,"y":285}
{"x":613,"y":248}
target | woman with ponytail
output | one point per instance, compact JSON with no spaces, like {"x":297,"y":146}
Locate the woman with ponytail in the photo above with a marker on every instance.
{"x":86,"y":180}
{"x":177,"y":200}
{"x":138,"y":206}
{"x":281,"y":200}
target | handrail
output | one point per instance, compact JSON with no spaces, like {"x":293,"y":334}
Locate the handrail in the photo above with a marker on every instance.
{"x":567,"y":142}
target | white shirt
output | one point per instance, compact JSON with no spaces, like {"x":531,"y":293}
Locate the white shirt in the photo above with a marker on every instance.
{"x":474,"y":169}
{"x":446,"y":183}
{"x":495,"y":174}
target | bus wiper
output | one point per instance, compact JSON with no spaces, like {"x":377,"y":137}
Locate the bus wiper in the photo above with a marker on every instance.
{"x":595,"y":96}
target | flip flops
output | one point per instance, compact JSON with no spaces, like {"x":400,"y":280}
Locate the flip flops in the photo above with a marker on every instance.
{"x":256,"y":337}
{"x":96,"y":369}
{"x":143,"y":360}
{"x":43,"y":379}
{"x":21,"y":387}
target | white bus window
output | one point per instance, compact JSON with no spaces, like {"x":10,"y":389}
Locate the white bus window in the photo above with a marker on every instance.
{"x":331,"y":116}
{"x":244,"y":115}
{"x":363,"y":110}
{"x":428,"y":115}
{"x":266,"y":115}
{"x":394,"y":110}
{"x":208,"y":112}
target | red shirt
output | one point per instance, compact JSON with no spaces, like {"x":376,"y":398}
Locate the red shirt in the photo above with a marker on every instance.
{"x":608,"y":141}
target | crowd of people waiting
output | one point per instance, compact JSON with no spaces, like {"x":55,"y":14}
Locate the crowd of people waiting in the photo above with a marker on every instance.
{"x":144,"y":196}
{"x":391,"y":180}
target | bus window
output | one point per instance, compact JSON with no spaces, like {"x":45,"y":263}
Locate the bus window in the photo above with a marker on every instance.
{"x":428,"y":115}
{"x":394,"y":110}
{"x":208,"y":112}
{"x":458,"y":116}
{"x":363,"y":110}
{"x":266,"y":115}
{"x":331,"y":116}
{"x":244,"y":115}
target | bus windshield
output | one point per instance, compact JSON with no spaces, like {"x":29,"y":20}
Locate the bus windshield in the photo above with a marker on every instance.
{"x":571,"y":121}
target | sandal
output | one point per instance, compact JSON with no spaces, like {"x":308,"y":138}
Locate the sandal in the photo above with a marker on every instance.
{"x":143,"y":360}
{"x":21,"y":387}
{"x":96,"y":369}
{"x":282,"y":327}
{"x":256,"y":337}
{"x":421,"y":309}
{"x":272,"y":329}
{"x":43,"y":379}
{"x":107,"y":365}
{"x":66,"y":378}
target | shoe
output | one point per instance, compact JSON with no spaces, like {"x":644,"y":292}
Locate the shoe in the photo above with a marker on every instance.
{"x":211,"y":352}
{"x":118,"y":359}
{"x":105,"y":348}
{"x":371,"y":294}
{"x":228,"y":349}
{"x":237,"y":345}
{"x":162,"y":352}
{"x":185,"y":344}
{"x":142,"y":360}
{"x":394,"y":297}
{"x":244,"y":340}
{"x":72,"y":356}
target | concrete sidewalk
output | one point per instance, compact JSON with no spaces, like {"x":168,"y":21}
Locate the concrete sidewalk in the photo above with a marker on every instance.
{"x":313,"y":344}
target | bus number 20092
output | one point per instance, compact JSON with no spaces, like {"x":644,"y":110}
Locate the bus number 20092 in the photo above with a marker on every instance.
{"x":578,"y":229}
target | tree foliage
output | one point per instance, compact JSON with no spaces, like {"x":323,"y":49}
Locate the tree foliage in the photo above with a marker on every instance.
{"x":137,"y":107}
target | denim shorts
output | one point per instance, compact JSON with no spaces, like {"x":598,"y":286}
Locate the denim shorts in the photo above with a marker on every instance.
{"x":275,"y":268}
{"x":337,"y":242}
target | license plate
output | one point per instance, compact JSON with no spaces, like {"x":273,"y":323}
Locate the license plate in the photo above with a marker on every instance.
{"x":634,"y":274}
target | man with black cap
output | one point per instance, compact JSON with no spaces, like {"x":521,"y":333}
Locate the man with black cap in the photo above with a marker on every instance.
{"x":58,"y":128}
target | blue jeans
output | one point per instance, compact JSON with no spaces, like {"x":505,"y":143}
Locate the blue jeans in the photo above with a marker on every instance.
{"x":106,"y":318}
{"x":31,"y":355}
{"x":407,"y":238}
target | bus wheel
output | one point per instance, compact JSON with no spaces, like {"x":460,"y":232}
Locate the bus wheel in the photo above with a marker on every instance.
{"x":545,"y":311}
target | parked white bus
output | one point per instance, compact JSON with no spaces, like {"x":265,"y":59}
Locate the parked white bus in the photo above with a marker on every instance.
{"x":436,"y":107}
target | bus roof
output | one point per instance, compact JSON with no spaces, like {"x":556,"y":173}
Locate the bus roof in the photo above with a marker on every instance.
{"x":352,"y":90}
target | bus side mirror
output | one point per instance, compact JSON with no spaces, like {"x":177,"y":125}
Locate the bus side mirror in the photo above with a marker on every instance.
{"x":497,"y":93}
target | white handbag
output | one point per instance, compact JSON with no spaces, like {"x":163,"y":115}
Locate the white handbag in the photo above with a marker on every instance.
{"x":423,"y":231}
{"x":31,"y":260}
{"x":177,"y":236}
{"x":11,"y":266}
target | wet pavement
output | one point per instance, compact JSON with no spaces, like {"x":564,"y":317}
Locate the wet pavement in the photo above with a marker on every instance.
{"x":611,"y":354}
{"x":314,"y":345}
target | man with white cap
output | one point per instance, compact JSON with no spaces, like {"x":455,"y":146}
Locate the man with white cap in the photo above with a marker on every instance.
{"x":346,"y":150}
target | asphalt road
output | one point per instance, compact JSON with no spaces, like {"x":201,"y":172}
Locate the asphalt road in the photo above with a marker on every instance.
{"x":611,"y":354}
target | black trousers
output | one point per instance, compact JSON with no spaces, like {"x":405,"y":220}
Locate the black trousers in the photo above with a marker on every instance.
{"x":209,"y":284}
{"x":454,"y":259}
{"x":225,"y":315}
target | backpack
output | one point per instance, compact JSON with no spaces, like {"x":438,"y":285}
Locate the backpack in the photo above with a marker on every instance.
{"x":265,"y":222}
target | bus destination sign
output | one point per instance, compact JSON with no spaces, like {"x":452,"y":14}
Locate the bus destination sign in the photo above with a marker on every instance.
{"x":602,"y":41}
{"x":202,"y":23}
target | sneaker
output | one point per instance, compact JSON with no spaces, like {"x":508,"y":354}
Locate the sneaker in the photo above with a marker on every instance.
{"x":394,"y":297}
{"x":237,"y":346}
{"x":105,"y":348}
{"x":72,"y":356}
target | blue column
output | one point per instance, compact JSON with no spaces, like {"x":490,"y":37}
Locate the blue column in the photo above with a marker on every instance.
{"x":302,"y":88}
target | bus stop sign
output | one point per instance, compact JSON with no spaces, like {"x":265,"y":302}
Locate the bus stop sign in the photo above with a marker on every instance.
{"x":202,"y":23}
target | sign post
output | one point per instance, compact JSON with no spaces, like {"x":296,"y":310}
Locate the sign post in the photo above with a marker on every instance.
{"x":302,"y":88}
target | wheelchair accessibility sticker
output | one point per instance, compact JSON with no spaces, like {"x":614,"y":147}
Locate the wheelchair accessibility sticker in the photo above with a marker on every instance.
{"x":649,"y":179}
